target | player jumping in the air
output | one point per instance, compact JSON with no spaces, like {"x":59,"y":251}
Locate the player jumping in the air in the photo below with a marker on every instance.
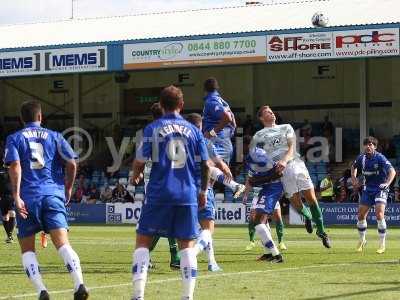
{"x":206,"y":216}
{"x":173,"y":199}
{"x":42,"y":171}
{"x":378,"y":174}
{"x":263,"y":173}
{"x":279,"y":141}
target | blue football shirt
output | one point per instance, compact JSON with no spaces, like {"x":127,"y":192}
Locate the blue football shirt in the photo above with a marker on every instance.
{"x":214,"y":107}
{"x":374,"y":169}
{"x":175,"y":146}
{"x":259,"y":164}
{"x":41,"y":153}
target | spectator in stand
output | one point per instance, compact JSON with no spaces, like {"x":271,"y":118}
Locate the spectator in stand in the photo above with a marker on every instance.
{"x":93,"y":195}
{"x":107,"y":195}
{"x":306,"y":129}
{"x":248,"y":126}
{"x":120,"y":194}
{"x":327,"y":127}
{"x":85,"y":170}
{"x":340,"y":189}
{"x":326,"y":189}
{"x":305,"y":133}
{"x":82,"y":183}
{"x":279,"y":119}
{"x":77,"y":197}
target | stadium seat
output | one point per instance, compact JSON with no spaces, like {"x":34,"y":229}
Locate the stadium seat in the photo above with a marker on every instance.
{"x":123,"y":180}
{"x":139,"y":197}
{"x":229,"y":196}
{"x":131,"y":189}
{"x":219,"y":197}
{"x":139,"y":189}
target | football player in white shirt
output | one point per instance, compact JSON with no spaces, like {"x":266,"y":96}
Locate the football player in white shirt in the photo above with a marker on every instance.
{"x":279,"y":141}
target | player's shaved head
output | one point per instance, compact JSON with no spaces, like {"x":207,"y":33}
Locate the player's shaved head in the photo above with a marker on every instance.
{"x":31,"y":111}
{"x":171,"y":98}
{"x":211,"y":85}
{"x":195,"y":119}
{"x":156,"y":110}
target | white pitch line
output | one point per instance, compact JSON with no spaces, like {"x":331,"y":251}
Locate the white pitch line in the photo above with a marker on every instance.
{"x":199,"y":277}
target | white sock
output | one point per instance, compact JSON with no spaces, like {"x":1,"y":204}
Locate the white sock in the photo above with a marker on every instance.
{"x":202,"y":241}
{"x":32,"y":269}
{"x":141,"y":258}
{"x":268,"y":227}
{"x":382,"y":231}
{"x":210,"y":253}
{"x":217,"y":175}
{"x":73,"y":264}
{"x":266,"y":238}
{"x":362,"y":229}
{"x":189,"y":272}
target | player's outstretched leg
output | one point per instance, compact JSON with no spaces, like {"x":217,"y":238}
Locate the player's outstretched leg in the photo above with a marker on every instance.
{"x":363,"y":210}
{"x":212,"y":263}
{"x":252,"y":232}
{"x":9,"y":228}
{"x":141,"y":258}
{"x":32,"y":269}
{"x":189,"y":272}
{"x":237,"y":188}
{"x":303,"y":210}
{"x":73,"y":264}
{"x":266,"y":238}
{"x":362,"y":231}
{"x":382,"y":236}
{"x":173,"y":250}
{"x":71,"y":261}
{"x":317,"y":216}
{"x":279,"y":226}
{"x":205,"y":243}
{"x":279,"y":232}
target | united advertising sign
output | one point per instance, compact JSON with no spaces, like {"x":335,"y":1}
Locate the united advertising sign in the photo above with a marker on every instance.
{"x":220,"y":51}
{"x":50,"y":61}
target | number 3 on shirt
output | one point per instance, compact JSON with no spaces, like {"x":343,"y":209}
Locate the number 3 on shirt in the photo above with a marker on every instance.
{"x":37,"y":155}
{"x":176,"y":153}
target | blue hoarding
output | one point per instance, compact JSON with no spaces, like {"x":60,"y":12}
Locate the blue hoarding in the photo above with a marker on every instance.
{"x":86,"y":213}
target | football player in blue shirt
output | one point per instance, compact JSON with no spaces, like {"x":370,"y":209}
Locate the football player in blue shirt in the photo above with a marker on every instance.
{"x":218,"y":120}
{"x":378,"y":174}
{"x":172,"y":198}
{"x":263,"y":173}
{"x":42,"y":171}
{"x":220,"y":172}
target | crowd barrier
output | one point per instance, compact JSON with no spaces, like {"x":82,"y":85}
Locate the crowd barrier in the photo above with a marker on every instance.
{"x":225,"y":213}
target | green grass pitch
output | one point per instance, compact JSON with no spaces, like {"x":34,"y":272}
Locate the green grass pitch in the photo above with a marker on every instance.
{"x":310,"y":272}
